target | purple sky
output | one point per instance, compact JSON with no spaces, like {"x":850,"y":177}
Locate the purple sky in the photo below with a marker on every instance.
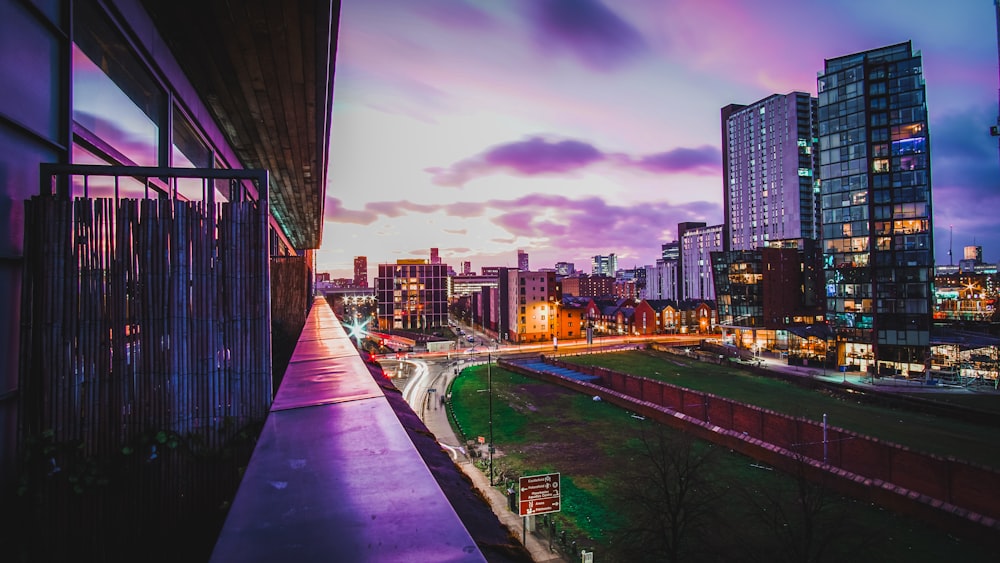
{"x":570,"y":128}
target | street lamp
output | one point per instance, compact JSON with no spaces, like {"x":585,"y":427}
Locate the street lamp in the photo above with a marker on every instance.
{"x":489,"y":379}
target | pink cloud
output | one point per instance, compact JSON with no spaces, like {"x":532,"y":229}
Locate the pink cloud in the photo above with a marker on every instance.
{"x":704,"y":160}
{"x":537,"y":156}
{"x":336,"y":213}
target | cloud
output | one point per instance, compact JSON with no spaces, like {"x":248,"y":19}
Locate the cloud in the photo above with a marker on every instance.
{"x":704,"y":159}
{"x":537,"y":156}
{"x":558,"y":222}
{"x":335,"y":212}
{"x":555,"y":227}
{"x":587,"y":29}
{"x":399,"y":208}
{"x":532,"y":157}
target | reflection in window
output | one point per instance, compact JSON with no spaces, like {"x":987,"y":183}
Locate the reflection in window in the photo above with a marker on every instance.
{"x":114,"y":97}
{"x":189,"y":151}
{"x":102,"y":186}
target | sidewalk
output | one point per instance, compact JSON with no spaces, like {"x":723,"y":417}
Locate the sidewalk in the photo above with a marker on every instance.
{"x":537,"y":545}
{"x":435,"y":417}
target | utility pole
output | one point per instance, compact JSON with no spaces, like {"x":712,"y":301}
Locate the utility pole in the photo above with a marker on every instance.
{"x":489,"y":378}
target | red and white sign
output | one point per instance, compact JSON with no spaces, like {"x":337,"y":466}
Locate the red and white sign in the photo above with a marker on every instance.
{"x":539,"y":494}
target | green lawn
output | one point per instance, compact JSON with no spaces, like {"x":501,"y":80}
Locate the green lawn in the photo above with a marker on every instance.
{"x":933,"y":434}
{"x":540,"y":428}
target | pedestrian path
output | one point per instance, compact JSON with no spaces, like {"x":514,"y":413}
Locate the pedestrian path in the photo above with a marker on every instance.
{"x":436,"y":420}
{"x":537,"y":545}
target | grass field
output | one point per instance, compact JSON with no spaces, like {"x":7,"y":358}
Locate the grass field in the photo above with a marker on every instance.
{"x":540,"y":428}
{"x":933,"y":434}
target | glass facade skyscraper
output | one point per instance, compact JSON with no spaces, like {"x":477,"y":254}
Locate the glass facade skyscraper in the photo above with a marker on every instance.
{"x":876,"y":207}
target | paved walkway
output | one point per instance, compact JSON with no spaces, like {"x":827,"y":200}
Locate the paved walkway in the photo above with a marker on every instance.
{"x":436,"y":419}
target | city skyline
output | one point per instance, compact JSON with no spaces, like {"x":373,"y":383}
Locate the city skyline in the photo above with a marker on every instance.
{"x":572,"y":129}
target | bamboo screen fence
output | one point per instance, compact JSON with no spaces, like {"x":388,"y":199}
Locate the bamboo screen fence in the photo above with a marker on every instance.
{"x":145,"y":332}
{"x":143,"y":317}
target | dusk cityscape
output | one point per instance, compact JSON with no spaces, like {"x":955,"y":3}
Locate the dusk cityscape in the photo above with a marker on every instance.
{"x":525,"y":281}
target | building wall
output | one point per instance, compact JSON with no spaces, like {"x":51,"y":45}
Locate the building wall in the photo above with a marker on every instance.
{"x":360,"y":271}
{"x":412,"y":296}
{"x":876,"y":202}
{"x":604,"y":265}
{"x":596,"y":286}
{"x":533,"y":305}
{"x":37,"y":62}
{"x":770,"y":170}
{"x":696,"y":248}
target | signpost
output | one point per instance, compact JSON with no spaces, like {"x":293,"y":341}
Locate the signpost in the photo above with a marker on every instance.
{"x":539,"y":494}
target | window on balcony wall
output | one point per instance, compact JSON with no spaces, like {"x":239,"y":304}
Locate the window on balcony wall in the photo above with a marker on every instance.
{"x":118,"y":108}
{"x":188,"y":150}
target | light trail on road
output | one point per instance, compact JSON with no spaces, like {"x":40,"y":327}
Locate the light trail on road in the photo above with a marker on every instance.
{"x":415,"y":387}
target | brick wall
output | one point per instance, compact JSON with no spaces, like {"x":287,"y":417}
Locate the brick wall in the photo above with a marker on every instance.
{"x":945,"y":491}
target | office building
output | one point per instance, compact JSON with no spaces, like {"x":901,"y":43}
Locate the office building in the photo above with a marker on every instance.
{"x":604,"y":265}
{"x":876,"y":207}
{"x":522,"y":260}
{"x":435,"y":256}
{"x":412,"y":295}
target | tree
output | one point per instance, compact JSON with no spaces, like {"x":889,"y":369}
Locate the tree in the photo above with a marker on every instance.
{"x":669,"y":501}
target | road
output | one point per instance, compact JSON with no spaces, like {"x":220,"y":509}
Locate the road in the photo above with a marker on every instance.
{"x":419,"y":377}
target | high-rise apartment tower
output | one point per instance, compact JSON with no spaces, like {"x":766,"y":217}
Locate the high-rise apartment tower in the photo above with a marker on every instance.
{"x":876,"y":207}
{"x":770,"y":190}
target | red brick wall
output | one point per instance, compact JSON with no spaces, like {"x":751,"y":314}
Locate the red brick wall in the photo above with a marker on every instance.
{"x":948,"y":492}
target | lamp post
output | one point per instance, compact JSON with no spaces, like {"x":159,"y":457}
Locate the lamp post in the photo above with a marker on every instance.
{"x":489,"y":379}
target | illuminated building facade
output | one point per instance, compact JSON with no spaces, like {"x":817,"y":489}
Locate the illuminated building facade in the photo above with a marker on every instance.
{"x":876,"y":207}
{"x":604,"y":265}
{"x":360,"y":271}
{"x":412,"y":295}
{"x":532,"y":306}
{"x":697,"y":245}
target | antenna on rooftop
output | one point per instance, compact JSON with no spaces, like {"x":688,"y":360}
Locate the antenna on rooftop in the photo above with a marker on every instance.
{"x":951,"y":235}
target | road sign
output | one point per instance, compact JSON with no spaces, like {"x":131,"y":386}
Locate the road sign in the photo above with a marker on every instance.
{"x":539,"y":494}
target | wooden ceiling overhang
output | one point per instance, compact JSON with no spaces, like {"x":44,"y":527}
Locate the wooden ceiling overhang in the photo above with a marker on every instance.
{"x":264,"y":69}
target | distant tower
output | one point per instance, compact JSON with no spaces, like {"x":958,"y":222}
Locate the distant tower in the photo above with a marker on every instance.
{"x":466,"y":267}
{"x":522,"y":260}
{"x":604,"y":265}
{"x":360,"y":271}
{"x":435,"y":258}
